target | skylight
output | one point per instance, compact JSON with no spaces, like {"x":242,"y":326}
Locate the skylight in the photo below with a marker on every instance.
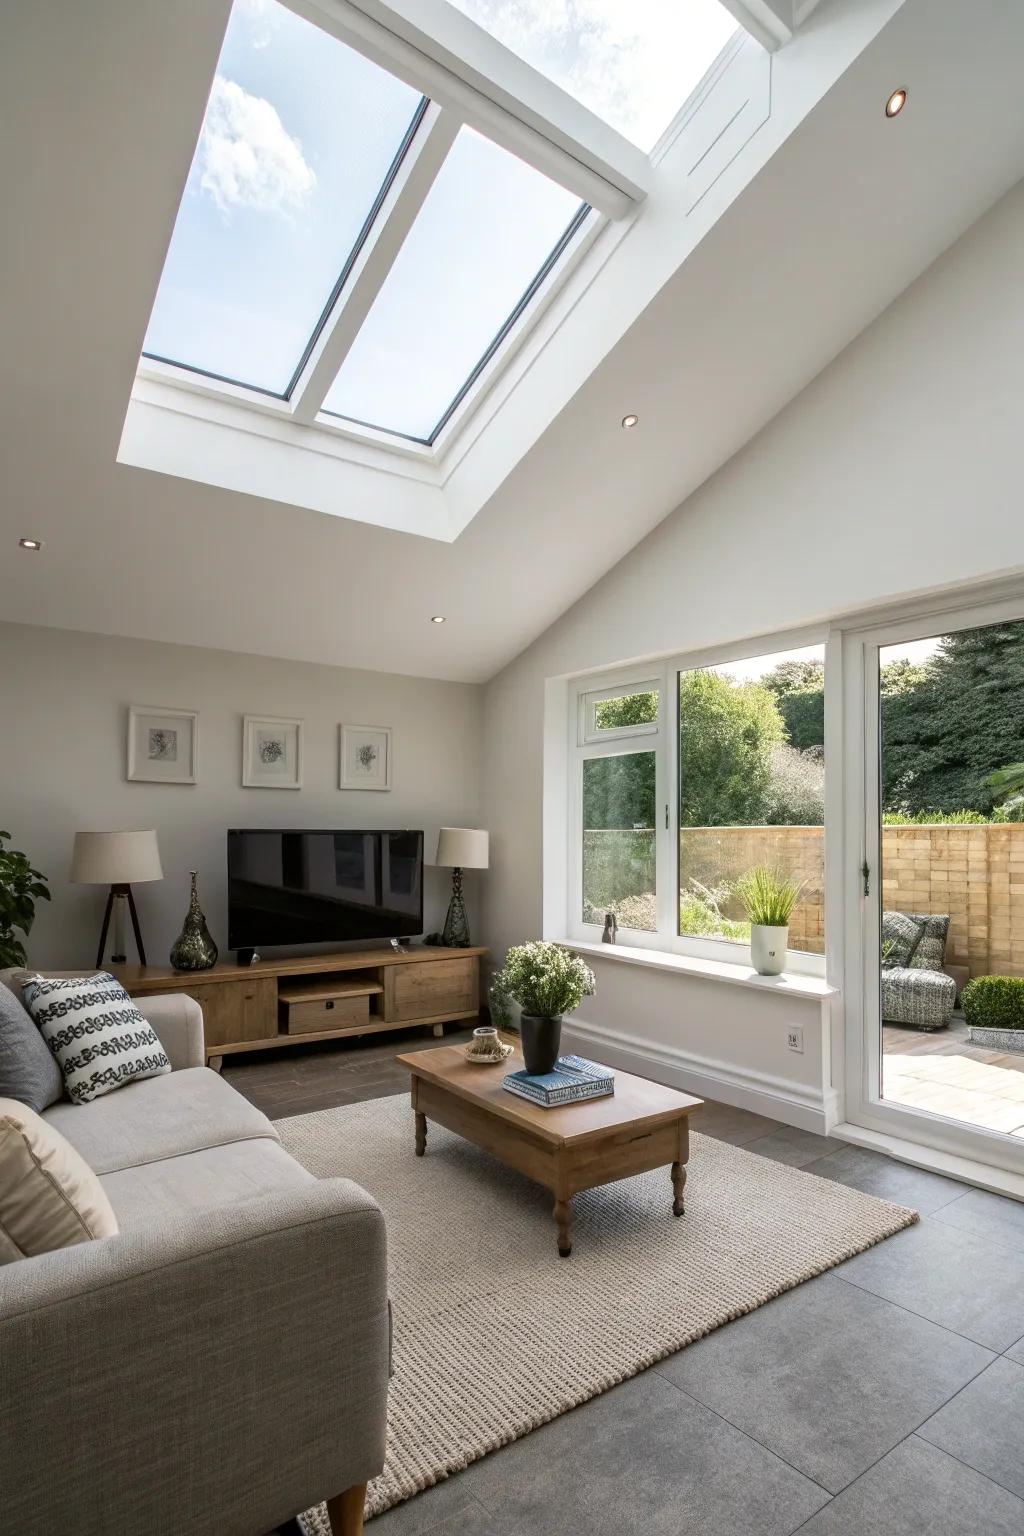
{"x":299,"y":138}
{"x":484,"y":238}
{"x":631,"y":62}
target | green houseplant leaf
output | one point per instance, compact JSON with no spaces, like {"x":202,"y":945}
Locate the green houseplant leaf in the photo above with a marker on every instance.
{"x":21,"y":887}
{"x":768,"y":896}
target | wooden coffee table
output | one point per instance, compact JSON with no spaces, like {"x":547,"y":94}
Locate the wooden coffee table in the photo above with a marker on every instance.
{"x":640,"y":1127}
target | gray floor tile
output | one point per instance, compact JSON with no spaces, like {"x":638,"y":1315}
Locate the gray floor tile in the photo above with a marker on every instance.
{"x":727,"y":1123}
{"x":987,"y":1215}
{"x":644,"y":1458}
{"x":1016,"y":1351}
{"x":918,"y":1490}
{"x":965,"y":1283}
{"x":793,"y":1146}
{"x":827,"y":1376}
{"x":984,"y":1425}
{"x":441,"y":1508}
{"x":878,"y":1175}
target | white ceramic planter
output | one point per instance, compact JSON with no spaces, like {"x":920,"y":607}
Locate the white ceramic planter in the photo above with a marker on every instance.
{"x":768,"y":949}
{"x":998,"y":1039}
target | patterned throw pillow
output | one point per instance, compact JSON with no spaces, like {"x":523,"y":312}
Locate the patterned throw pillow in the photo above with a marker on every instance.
{"x":901,"y":935}
{"x":930,"y":954}
{"x":99,"y":1037}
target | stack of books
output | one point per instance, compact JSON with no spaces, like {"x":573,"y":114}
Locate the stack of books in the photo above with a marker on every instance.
{"x":572,"y":1080}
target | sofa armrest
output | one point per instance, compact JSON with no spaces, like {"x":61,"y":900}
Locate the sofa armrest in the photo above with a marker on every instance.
{"x":178,"y":1021}
{"x":217,"y":1376}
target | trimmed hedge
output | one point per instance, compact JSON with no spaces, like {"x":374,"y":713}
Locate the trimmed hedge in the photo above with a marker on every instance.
{"x":995,"y":1002}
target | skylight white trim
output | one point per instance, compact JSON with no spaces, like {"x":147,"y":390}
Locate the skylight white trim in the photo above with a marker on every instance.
{"x":493,"y":91}
{"x":771,"y":22}
{"x":406,"y":196}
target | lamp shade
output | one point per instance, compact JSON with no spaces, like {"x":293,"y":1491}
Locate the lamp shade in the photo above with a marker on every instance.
{"x":461,"y":848}
{"x":115,"y":858}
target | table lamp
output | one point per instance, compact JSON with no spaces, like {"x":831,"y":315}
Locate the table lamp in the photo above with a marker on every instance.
{"x":459,"y":848}
{"x":120,"y":860}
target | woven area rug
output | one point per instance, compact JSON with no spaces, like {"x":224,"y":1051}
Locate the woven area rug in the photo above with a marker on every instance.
{"x":494,"y":1334}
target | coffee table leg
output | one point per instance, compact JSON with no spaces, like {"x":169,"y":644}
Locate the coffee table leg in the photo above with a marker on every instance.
{"x":563,"y":1216}
{"x":421,"y":1134}
{"x":678,"y":1185}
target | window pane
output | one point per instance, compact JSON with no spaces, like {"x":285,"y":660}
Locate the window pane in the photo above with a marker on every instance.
{"x":488,"y":226}
{"x":299,"y":136}
{"x":618,"y":840}
{"x":752,"y":791}
{"x":632,"y":64}
{"x":627,"y":709}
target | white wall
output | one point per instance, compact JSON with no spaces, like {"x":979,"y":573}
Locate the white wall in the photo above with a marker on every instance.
{"x":897,"y":470}
{"x":63,"y":704}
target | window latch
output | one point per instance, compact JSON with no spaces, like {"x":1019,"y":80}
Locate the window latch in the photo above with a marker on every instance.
{"x":666,"y":815}
{"x":866,"y":875}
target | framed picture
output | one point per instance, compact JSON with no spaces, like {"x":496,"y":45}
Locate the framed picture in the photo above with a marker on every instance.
{"x":163,"y":745}
{"x":271,"y":753}
{"x":364,"y":757}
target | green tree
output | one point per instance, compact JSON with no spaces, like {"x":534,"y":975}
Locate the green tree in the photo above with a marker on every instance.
{"x":794,"y":677}
{"x":799,"y":689}
{"x":726,"y":734}
{"x":947,"y":730}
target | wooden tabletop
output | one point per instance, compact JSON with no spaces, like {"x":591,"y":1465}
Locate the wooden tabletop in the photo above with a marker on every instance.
{"x":636,"y":1100}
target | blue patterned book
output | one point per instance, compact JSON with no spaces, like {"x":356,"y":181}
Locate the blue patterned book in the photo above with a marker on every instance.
{"x":572,"y":1080}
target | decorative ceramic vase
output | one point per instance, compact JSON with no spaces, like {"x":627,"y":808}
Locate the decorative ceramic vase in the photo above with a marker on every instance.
{"x":541,"y":1040}
{"x":455,"y":933}
{"x":768,"y":949}
{"x":194,"y":949}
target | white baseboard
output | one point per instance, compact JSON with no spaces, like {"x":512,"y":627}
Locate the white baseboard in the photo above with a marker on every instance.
{"x":779,"y":1098}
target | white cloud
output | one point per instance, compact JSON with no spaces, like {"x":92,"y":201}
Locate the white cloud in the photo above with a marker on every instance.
{"x":263,"y":18}
{"x":247,"y":158}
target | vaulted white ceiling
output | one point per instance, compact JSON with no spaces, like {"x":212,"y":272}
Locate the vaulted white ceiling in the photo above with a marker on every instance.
{"x":826,"y":215}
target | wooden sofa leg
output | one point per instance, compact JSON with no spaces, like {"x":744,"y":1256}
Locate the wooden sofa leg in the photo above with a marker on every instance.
{"x":346,"y":1511}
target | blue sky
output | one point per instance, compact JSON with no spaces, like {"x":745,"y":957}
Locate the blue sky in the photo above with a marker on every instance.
{"x":298,"y":137}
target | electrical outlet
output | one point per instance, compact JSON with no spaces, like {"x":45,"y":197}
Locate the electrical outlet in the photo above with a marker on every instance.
{"x":795,"y":1038}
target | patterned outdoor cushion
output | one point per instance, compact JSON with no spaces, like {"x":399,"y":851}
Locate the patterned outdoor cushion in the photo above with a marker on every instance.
{"x":99,"y":1037}
{"x":930,"y":954}
{"x":901,"y":935}
{"x":922,"y":999}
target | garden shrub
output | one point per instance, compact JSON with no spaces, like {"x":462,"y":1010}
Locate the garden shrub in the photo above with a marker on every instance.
{"x":995,"y":1002}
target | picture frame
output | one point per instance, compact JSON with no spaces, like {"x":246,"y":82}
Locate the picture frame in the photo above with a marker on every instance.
{"x":365,"y":757}
{"x":162,"y":745}
{"x":271,"y":752}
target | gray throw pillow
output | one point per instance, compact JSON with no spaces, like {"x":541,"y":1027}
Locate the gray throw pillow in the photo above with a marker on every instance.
{"x":930,"y":953}
{"x":28,"y":1071}
{"x":901,"y":935}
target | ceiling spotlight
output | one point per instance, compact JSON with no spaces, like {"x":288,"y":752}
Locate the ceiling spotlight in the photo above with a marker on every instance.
{"x":30,"y":543}
{"x":897,"y":101}
{"x":630,"y":421}
{"x":437,"y":618}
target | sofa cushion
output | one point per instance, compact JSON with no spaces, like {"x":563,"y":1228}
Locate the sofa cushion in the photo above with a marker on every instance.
{"x":160,"y":1117}
{"x":157,"y":1193}
{"x":28,"y":1072}
{"x":99,"y":1037}
{"x":922,"y":999}
{"x":930,"y":951}
{"x":49,"y":1196}
{"x":901,"y":935}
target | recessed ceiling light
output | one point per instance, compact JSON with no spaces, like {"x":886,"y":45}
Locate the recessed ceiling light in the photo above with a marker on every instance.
{"x":897,"y":101}
{"x":31,"y":543}
{"x":437,"y":618}
{"x":630,"y":421}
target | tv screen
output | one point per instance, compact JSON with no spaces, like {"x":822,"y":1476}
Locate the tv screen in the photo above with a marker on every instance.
{"x":323,"y":887}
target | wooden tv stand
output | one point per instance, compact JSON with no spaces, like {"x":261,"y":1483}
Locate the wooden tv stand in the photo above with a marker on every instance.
{"x":320,"y":997}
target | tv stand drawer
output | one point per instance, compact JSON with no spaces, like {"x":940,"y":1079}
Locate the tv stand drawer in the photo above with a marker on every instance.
{"x":424,"y":989}
{"x":326,"y":1013}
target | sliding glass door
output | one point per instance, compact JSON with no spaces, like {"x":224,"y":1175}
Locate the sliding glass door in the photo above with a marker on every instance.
{"x":935,"y":858}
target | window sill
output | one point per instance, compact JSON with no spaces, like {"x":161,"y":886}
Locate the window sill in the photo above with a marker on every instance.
{"x":789,"y":983}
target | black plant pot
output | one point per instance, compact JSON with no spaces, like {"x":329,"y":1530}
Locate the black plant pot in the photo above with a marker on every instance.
{"x":541,"y":1040}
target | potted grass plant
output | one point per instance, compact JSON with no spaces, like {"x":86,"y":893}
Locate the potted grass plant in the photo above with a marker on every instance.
{"x":768,"y":898}
{"x":547,"y":981}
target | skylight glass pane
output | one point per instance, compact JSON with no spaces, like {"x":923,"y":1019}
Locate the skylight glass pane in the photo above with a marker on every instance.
{"x":299,"y":136}
{"x":488,"y":226}
{"x":632,"y":62}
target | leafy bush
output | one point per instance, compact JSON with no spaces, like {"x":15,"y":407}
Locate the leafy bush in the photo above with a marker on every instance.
{"x":700,"y":914}
{"x":640,"y":911}
{"x":21,"y":887}
{"x":936,"y":819}
{"x":995,"y":1002}
{"x":768,"y":896}
{"x":796,"y":793}
{"x":544,"y":979}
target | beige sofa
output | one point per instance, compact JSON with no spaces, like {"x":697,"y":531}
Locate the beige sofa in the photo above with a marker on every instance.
{"x":219,"y":1365}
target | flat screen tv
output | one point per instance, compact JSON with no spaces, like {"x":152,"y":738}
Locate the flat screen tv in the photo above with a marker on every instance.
{"x":289,"y":887}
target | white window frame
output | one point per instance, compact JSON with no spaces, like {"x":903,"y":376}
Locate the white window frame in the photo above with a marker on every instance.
{"x":585,"y":744}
